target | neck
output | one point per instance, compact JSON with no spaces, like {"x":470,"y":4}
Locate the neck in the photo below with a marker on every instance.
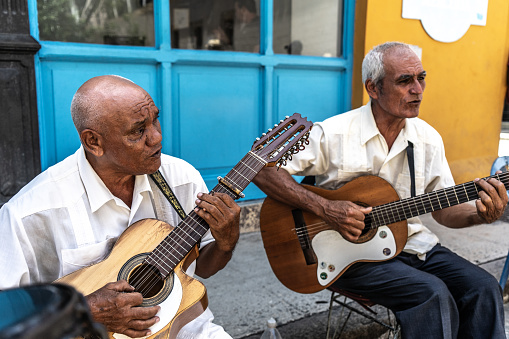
{"x":119,"y":184}
{"x":121,"y":187}
{"x":388,"y":125}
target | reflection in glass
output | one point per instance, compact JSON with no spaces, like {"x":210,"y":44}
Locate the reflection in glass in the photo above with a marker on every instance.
{"x":112,"y":22}
{"x":303,"y":27}
{"x":227,"y":25}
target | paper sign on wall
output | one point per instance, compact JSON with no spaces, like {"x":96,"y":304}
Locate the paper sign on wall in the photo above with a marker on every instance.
{"x":446,"y":20}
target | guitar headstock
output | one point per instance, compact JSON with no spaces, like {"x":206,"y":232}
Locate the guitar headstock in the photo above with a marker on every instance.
{"x":284,"y":139}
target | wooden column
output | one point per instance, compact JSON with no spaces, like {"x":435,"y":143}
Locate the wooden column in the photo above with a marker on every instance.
{"x":19,"y":131}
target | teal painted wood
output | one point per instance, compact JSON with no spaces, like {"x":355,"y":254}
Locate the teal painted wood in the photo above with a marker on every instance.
{"x":213,"y":103}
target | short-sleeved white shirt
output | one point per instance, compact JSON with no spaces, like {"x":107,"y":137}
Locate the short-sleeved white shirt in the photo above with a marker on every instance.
{"x":66,"y":218}
{"x":350,"y":145}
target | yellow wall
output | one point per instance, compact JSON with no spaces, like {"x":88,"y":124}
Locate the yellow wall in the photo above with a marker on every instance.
{"x":465,"y":83}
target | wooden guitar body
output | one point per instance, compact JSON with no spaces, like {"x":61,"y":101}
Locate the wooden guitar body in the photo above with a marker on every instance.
{"x":307,"y":255}
{"x":182,"y":298}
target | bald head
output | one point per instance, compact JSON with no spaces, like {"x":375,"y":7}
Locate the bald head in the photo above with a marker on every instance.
{"x":88,"y":104}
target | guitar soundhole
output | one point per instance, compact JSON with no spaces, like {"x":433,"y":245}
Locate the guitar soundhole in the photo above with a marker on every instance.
{"x":369,"y":231}
{"x":146,"y":280}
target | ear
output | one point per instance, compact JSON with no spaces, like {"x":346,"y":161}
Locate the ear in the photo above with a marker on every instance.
{"x":372,"y":89}
{"x":92,"y":141}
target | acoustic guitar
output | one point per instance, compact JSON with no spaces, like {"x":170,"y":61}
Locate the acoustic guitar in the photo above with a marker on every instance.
{"x":307,"y":255}
{"x":153,"y":256}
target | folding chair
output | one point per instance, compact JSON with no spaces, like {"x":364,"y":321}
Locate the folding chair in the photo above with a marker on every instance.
{"x":340,"y":297}
{"x":502,"y":164}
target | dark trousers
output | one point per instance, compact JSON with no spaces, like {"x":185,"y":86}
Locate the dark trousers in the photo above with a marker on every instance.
{"x":444,"y":296}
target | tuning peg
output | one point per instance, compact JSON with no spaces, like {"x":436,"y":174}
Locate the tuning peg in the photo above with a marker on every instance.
{"x":257,"y":139}
{"x":287,"y":117}
{"x":270,"y":129}
{"x":263,"y":134}
{"x":275,"y":125}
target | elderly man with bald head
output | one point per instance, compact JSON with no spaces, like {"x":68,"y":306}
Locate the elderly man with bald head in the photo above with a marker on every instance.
{"x":70,"y":215}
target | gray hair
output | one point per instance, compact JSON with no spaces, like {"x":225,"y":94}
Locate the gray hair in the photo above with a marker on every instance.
{"x":81,"y":111}
{"x":373,"y":63}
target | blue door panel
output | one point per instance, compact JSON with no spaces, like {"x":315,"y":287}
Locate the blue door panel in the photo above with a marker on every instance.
{"x":217,"y":111}
{"x":314,"y":94}
{"x":61,"y":80}
{"x":213,"y":103}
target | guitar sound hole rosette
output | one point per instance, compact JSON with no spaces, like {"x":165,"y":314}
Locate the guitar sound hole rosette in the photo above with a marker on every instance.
{"x":147,"y":280}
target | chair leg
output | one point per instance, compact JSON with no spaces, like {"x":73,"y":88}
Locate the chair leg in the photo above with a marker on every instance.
{"x":335,"y":334}
{"x":329,"y":315}
{"x":393,"y":327}
{"x":505,"y":272}
{"x":395,"y":330}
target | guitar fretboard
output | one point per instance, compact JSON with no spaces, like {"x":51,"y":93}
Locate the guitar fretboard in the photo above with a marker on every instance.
{"x":173,"y":249}
{"x":433,"y":201}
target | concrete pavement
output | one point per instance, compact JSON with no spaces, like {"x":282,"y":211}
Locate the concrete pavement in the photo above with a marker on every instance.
{"x":246,"y":293}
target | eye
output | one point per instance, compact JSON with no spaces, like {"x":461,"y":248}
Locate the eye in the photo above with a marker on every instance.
{"x":138,"y":133}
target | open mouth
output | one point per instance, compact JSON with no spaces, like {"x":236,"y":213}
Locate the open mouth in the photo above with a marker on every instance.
{"x":156,"y":154}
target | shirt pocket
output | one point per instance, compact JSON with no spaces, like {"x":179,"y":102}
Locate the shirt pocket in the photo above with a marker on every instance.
{"x":404,"y":184}
{"x":76,"y":258}
{"x":344,"y":176}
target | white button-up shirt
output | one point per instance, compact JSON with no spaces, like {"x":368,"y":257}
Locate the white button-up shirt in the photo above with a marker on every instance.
{"x":349,"y":145}
{"x":66,"y":219}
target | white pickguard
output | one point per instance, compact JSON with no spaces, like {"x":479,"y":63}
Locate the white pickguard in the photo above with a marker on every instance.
{"x":169,"y":308}
{"x":335,"y":253}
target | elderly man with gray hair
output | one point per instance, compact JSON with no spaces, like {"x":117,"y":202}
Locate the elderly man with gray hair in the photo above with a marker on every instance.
{"x":433,"y":292}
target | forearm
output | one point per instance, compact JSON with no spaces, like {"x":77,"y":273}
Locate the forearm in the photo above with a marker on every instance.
{"x":279,"y":185}
{"x":212,"y":259}
{"x":458,"y":216}
{"x":344,"y":216}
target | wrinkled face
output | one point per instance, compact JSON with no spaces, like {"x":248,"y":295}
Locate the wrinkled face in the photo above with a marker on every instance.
{"x":400,"y":92}
{"x":132,"y":133}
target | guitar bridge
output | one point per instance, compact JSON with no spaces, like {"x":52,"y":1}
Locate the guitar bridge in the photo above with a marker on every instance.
{"x":302,"y":233}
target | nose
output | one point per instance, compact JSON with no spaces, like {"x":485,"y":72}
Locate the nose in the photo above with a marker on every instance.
{"x":154,"y":136}
{"x":417,"y":87}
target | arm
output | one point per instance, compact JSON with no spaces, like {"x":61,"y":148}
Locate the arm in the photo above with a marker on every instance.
{"x":488,"y":208}
{"x":345,"y":216}
{"x":222,"y":215}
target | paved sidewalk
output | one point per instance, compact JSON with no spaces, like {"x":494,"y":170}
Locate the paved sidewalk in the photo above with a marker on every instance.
{"x":246,"y":293}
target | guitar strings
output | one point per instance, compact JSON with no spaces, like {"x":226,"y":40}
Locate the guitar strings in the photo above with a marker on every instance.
{"x":380,"y":215}
{"x":252,"y":165}
{"x":315,"y":228}
{"x":447,"y":197}
{"x":147,"y":277}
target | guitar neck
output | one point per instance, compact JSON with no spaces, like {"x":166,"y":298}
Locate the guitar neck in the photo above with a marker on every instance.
{"x":173,"y":249}
{"x":433,"y":201}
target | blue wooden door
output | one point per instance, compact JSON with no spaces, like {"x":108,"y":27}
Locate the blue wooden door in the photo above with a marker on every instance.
{"x":213,"y":103}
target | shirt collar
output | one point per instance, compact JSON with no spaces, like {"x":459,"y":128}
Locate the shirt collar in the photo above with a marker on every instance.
{"x":368,"y":124}
{"x":97,"y":192}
